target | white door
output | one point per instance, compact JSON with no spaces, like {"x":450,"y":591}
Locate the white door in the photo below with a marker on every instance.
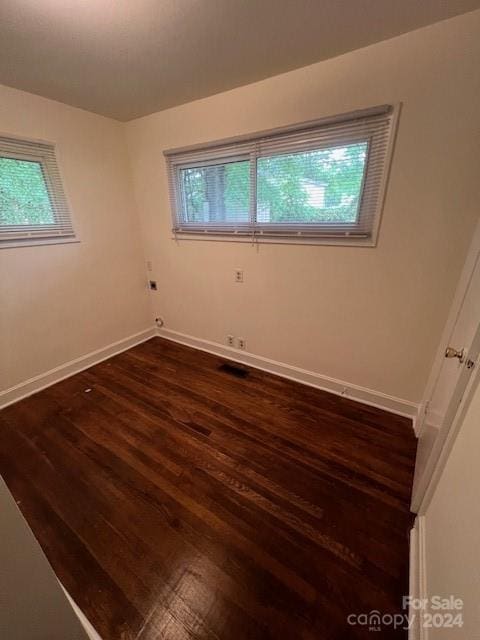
{"x":460,"y":352}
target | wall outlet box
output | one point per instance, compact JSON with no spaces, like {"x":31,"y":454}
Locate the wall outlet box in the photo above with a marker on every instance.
{"x":242,"y":343}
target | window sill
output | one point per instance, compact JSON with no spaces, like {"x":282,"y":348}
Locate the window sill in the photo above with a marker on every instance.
{"x":265,"y":239}
{"x":33,"y":242}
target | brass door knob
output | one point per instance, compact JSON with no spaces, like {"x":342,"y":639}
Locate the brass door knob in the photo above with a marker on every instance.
{"x":450,"y":352}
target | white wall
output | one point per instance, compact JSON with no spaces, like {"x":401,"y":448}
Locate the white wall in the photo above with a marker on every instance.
{"x":370,"y":317}
{"x":452,"y":525}
{"x":60,"y":302}
{"x":33,"y":604}
{"x":367,"y":316}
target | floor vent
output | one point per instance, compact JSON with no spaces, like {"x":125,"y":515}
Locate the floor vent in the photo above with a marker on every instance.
{"x":233,"y":370}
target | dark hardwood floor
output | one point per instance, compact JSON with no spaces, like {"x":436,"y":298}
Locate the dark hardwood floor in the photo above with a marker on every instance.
{"x":175,"y":500}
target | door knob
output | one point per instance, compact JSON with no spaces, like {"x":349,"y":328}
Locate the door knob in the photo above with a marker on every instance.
{"x":450,"y":352}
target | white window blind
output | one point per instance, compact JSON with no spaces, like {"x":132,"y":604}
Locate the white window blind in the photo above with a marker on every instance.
{"x":33,"y":206}
{"x":324,"y":179}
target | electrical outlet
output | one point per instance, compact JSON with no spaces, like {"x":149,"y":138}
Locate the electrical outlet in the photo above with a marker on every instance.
{"x":241,"y":343}
{"x":152,"y":284}
{"x":230,"y":341}
{"x":238,"y":275}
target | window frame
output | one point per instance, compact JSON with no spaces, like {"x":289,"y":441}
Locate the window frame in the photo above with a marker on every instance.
{"x":180,"y":197}
{"x":62,"y":230}
{"x":364,"y":232}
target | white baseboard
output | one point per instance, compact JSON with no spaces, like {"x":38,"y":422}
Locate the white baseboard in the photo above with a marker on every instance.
{"x":86,"y":624}
{"x":416,"y":422}
{"x":339,"y":387}
{"x":418,"y":578}
{"x":311,"y":378}
{"x":28,"y":387}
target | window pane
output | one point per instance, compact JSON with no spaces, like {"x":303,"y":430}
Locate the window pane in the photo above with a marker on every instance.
{"x":216,"y":193}
{"x":24,"y":198}
{"x":322,"y":186}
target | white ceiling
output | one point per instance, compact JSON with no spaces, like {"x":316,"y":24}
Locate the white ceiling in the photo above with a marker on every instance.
{"x":128,"y":58}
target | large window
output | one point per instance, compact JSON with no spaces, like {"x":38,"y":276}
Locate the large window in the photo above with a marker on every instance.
{"x":322,"y":180}
{"x":33,"y":207}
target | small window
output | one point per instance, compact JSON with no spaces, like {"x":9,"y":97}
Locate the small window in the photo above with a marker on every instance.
{"x":321,"y":181}
{"x":33,"y":207}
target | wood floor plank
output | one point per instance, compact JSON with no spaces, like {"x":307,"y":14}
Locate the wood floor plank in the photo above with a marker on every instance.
{"x":176,"y":501}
